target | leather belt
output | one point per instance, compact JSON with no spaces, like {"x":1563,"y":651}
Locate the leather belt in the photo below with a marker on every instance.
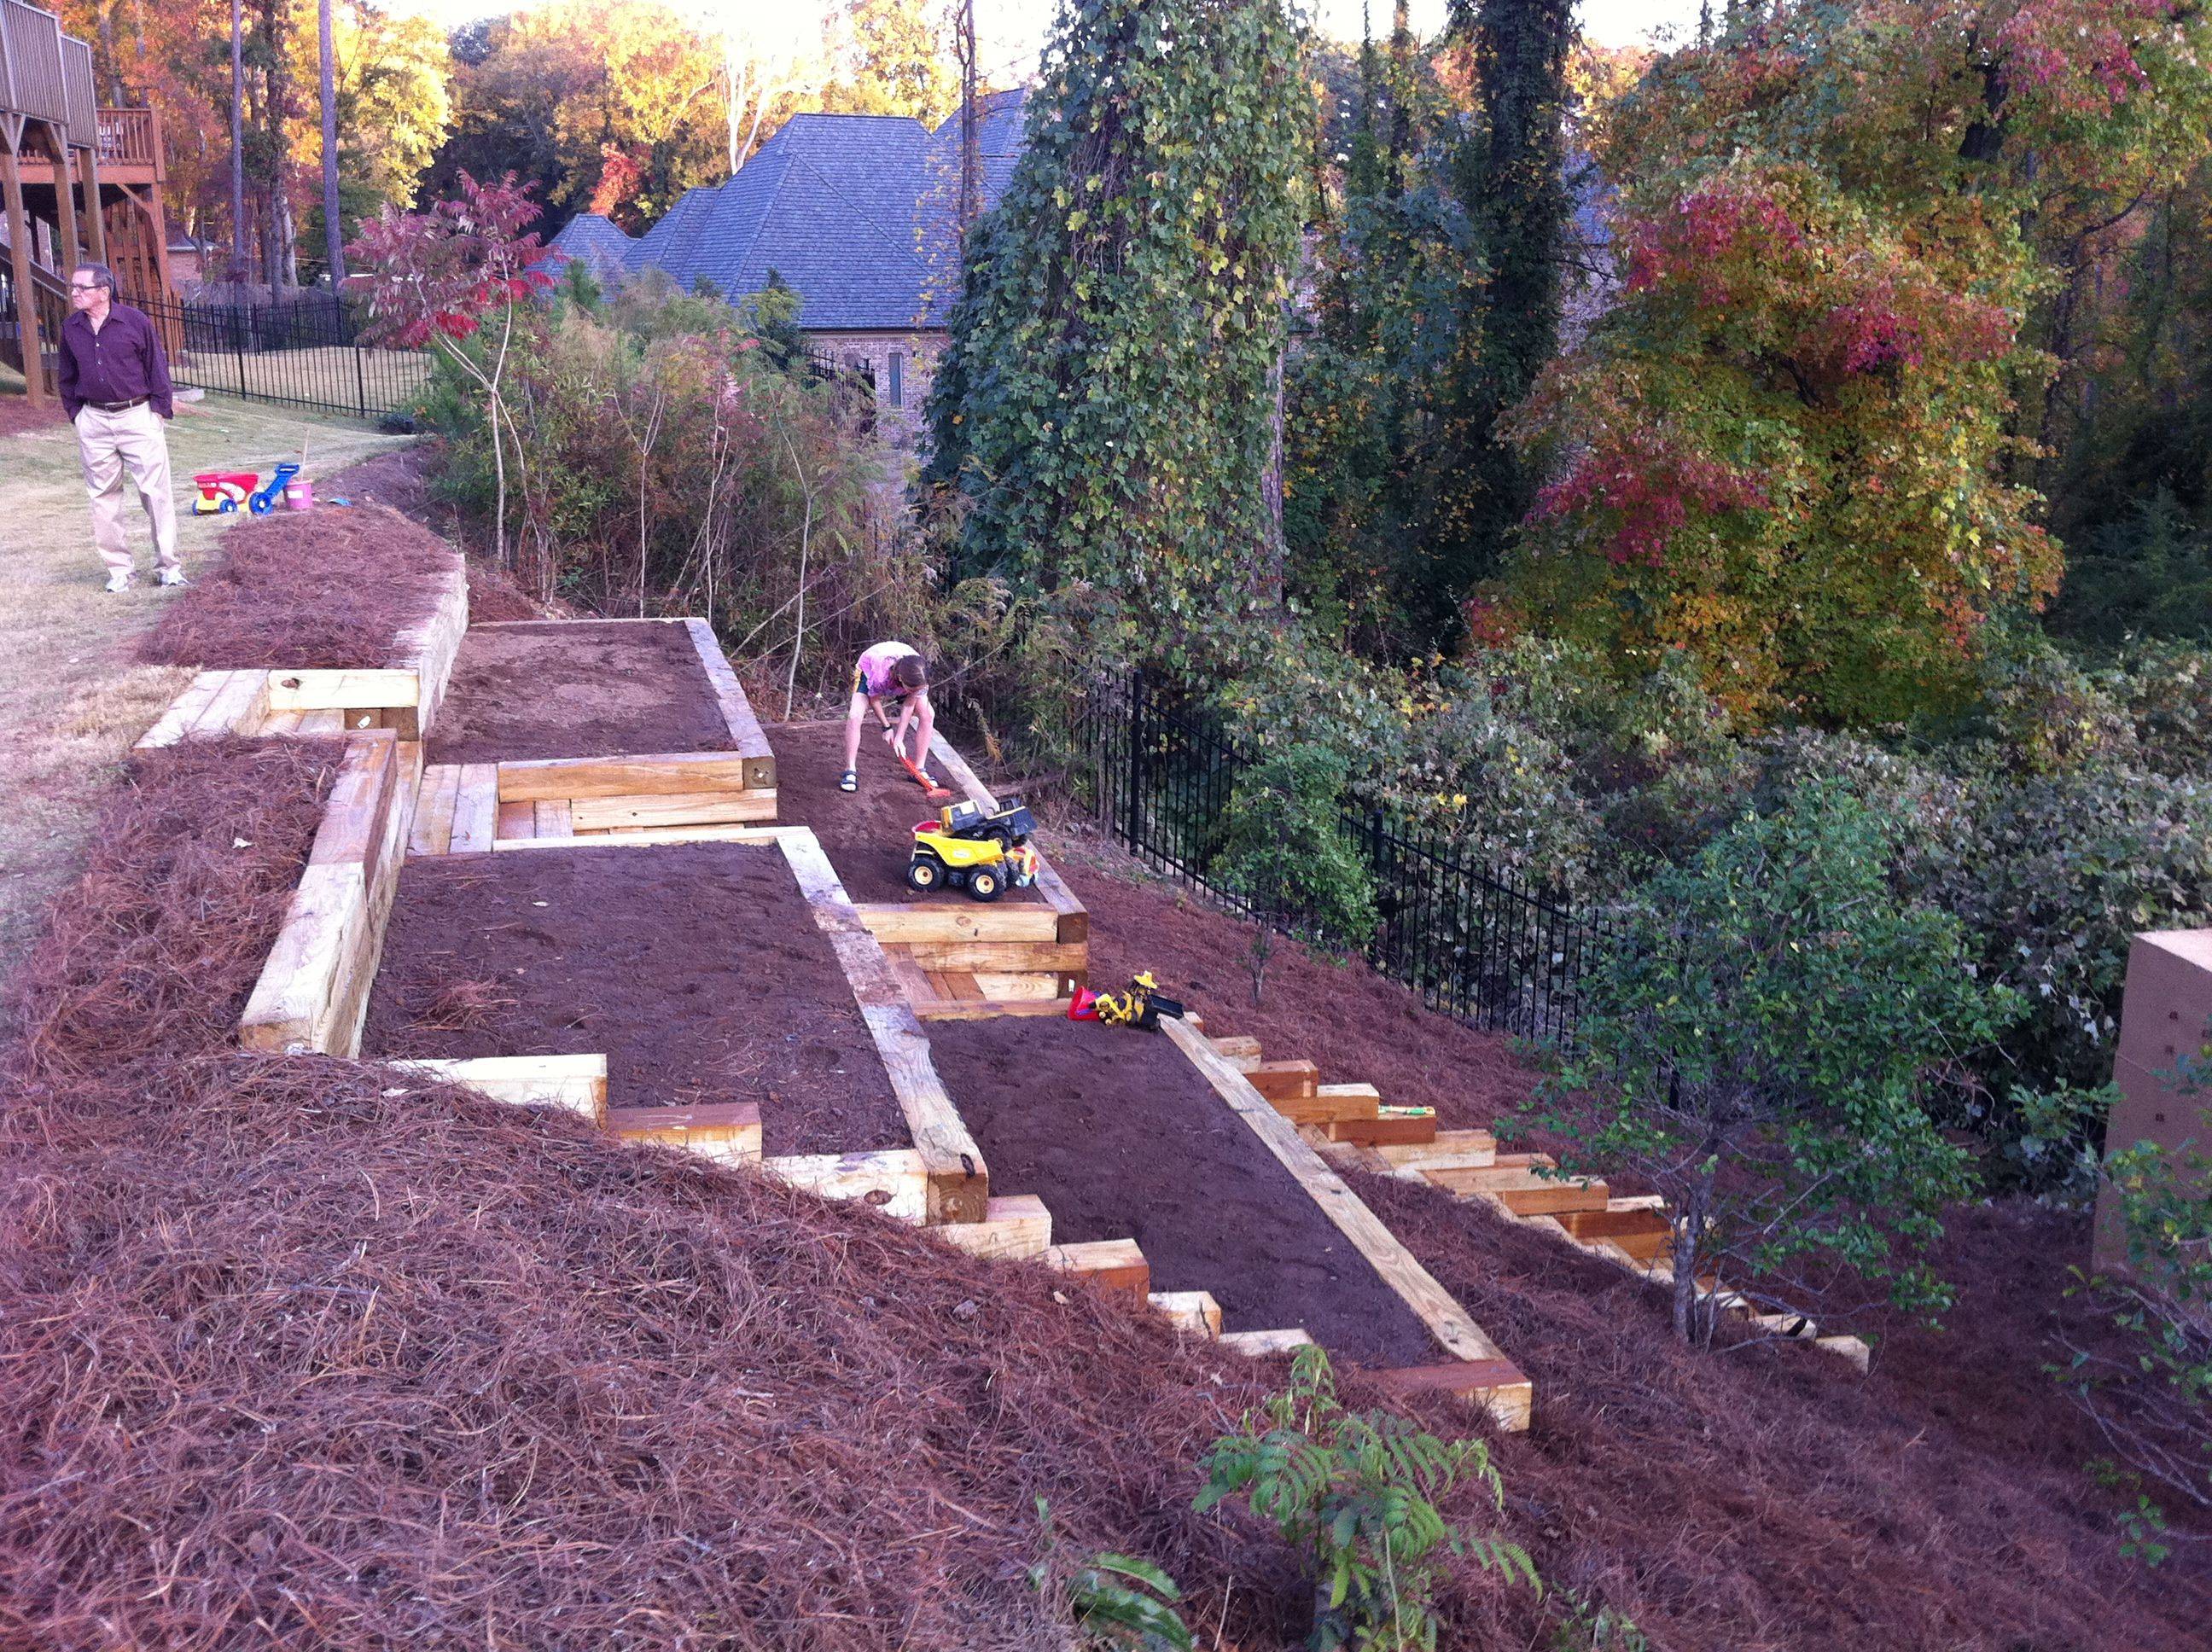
{"x":120,"y":407}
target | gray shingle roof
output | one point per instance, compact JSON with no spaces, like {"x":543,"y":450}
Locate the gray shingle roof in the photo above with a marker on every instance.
{"x":854,"y":211}
{"x":602,"y":246}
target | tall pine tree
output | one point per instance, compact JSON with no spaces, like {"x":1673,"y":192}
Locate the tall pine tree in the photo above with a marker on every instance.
{"x":1104,"y":412}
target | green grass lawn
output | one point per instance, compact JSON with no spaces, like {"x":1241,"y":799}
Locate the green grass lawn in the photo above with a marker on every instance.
{"x":70,"y":702}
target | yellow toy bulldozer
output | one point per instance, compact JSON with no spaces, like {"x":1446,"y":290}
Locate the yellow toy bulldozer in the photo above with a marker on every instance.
{"x":1141,"y":1006}
{"x":966,"y":848}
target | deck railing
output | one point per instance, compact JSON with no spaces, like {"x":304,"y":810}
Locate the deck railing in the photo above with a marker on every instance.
{"x":130,"y":138}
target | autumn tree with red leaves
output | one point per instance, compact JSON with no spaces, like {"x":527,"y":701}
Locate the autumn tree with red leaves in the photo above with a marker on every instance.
{"x":452,"y":279}
{"x":1789,"y":447}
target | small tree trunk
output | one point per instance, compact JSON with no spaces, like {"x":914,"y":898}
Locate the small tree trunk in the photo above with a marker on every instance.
{"x":237,"y":271}
{"x":333,"y":238}
{"x":1263,"y":948}
{"x":1686,"y":1275}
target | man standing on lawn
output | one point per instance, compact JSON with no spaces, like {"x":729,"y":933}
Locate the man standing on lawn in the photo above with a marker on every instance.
{"x":115,"y":389}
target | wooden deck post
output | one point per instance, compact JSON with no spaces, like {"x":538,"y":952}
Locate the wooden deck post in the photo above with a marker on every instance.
{"x":64,"y":202}
{"x":19,"y":254}
{"x":95,"y":215}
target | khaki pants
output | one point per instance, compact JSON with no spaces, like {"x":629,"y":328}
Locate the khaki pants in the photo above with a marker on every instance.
{"x":109,"y":446}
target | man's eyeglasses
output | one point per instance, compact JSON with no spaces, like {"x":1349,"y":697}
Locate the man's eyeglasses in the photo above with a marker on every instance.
{"x":84,"y":286}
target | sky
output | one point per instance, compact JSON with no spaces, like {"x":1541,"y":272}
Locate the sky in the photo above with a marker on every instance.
{"x":1011,"y":30}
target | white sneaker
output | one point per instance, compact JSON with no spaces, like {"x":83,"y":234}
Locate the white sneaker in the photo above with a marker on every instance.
{"x":120,"y":579}
{"x":174,"y":576}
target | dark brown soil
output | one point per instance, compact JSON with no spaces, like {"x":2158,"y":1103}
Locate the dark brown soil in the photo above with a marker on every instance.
{"x":1123,"y":1138}
{"x":577,"y":688}
{"x":1356,"y":1026}
{"x":321,"y":589}
{"x":868,"y":835}
{"x":696,"y":969}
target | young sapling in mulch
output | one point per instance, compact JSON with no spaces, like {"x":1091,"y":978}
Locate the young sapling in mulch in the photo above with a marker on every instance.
{"x":1355,"y":1492}
{"x":1764,"y":1044}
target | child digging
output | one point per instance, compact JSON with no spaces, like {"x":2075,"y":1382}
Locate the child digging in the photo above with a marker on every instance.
{"x":889,"y":671}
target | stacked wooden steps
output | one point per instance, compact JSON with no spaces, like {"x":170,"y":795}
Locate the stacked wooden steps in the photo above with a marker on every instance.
{"x":1351,"y":1124}
{"x":263,"y":703}
{"x":959,"y":960}
{"x":950,"y":954}
{"x":1523,"y":1184}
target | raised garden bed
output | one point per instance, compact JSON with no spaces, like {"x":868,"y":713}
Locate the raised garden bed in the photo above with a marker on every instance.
{"x":696,"y":969}
{"x":382,"y":662}
{"x":560,"y":730}
{"x":1030,"y":943}
{"x":1129,"y":1136}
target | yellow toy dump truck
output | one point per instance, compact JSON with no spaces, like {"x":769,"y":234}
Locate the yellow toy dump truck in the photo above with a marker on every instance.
{"x":966,"y":848}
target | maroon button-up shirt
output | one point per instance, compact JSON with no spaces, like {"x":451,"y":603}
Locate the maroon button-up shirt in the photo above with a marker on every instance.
{"x":120,"y":362}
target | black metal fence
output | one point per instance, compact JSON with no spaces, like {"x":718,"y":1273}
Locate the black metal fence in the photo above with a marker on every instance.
{"x":1473,"y":940}
{"x":307,"y":352}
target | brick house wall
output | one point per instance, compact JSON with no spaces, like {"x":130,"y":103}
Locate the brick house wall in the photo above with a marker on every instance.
{"x":904,"y":365}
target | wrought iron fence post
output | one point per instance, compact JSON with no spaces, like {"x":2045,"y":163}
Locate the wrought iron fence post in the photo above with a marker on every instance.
{"x":1136,"y":761}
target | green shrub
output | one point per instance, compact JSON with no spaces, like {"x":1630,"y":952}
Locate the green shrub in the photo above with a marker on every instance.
{"x":1763,"y":1044}
{"x":2167,"y":690}
{"x":2147,"y":574}
{"x":1285,"y":853}
{"x":2053,"y":876}
{"x":1356,"y":1493}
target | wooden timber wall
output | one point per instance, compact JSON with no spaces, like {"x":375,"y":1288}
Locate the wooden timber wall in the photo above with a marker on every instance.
{"x":313,"y":994}
{"x":472,"y":807}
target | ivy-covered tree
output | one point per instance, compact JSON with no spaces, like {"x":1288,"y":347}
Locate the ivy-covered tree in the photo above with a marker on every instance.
{"x":1787,"y":449}
{"x":1509,"y":176}
{"x":1105,"y":412}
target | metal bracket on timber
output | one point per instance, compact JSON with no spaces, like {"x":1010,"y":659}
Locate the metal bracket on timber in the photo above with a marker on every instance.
{"x":1483,"y":1372}
{"x":313,"y":993}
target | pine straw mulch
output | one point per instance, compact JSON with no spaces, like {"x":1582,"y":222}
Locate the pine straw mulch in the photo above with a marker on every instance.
{"x":1769,"y":1495}
{"x":402,"y":478}
{"x":325,"y":589}
{"x":301,"y":1354}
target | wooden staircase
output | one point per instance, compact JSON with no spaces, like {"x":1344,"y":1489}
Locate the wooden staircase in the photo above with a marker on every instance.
{"x":1353,"y":1125}
{"x":50,"y":294}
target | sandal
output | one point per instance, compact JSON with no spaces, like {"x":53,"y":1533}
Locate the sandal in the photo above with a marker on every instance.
{"x":849,"y":781}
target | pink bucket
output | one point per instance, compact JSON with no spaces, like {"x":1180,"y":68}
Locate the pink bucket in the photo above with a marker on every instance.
{"x":299,"y":495}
